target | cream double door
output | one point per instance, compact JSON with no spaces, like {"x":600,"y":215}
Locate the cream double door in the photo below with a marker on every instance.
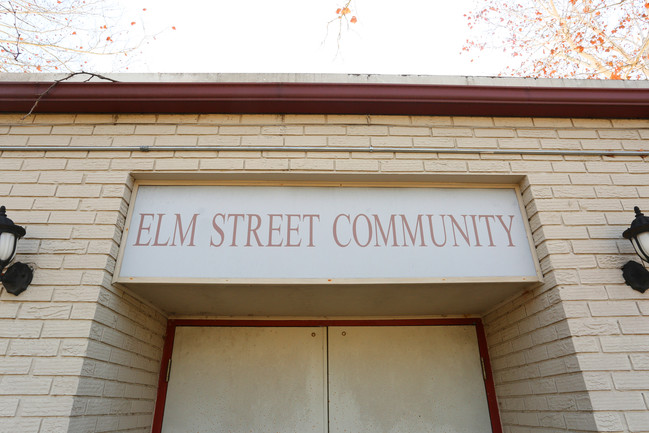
{"x":385,"y":379}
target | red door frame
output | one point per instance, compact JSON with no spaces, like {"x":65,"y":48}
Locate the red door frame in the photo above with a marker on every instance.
{"x":173,"y":323}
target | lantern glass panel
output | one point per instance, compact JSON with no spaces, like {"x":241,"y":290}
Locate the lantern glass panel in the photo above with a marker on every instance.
{"x":641,"y":245}
{"x":7,"y":246}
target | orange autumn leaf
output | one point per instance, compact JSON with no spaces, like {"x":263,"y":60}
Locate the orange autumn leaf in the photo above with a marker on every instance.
{"x":338,"y":10}
{"x":345,"y":11}
{"x":353,"y":20}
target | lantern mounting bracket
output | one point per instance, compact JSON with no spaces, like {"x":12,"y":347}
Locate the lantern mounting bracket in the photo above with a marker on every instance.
{"x":17,"y":278}
{"x":636,"y":276}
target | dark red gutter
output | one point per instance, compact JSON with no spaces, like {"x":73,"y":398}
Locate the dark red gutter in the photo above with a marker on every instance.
{"x":324,"y":98}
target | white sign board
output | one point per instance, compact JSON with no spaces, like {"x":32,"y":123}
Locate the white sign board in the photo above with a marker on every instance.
{"x":212,"y":233}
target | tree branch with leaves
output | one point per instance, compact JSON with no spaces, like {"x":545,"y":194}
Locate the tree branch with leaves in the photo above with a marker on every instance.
{"x":344,"y":17}
{"x":60,"y":35}
{"x":565,"y":38}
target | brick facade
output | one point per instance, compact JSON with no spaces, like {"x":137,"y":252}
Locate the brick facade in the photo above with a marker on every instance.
{"x":80,"y":355}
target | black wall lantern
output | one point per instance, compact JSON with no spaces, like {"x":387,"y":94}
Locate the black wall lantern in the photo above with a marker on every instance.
{"x":17,"y":276}
{"x":635,"y":275}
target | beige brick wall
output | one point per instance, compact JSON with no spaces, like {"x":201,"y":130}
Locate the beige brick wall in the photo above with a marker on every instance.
{"x":572,"y":354}
{"x":77,"y":354}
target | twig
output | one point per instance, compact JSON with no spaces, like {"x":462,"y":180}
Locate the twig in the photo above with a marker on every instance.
{"x":56,"y":82}
{"x":339,"y":18}
{"x":15,"y":15}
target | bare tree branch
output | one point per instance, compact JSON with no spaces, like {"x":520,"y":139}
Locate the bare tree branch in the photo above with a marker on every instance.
{"x":66,"y":78}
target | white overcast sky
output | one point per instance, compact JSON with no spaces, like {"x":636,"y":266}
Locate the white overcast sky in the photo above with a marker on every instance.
{"x":402,"y":37}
